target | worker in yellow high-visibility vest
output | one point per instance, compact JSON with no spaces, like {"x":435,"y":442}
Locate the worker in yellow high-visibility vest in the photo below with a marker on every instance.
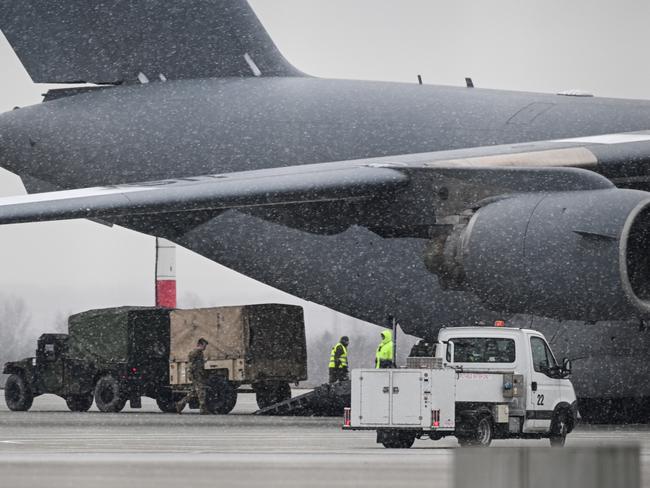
{"x":339,"y":360}
{"x":384,"y":355}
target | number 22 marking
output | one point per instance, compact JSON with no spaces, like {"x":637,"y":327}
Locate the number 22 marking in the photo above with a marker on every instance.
{"x":540,"y":399}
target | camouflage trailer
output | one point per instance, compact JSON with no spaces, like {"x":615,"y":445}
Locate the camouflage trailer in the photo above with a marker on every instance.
{"x":121,"y":354}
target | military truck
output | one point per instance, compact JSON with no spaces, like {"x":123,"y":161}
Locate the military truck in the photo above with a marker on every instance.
{"x":121,"y":354}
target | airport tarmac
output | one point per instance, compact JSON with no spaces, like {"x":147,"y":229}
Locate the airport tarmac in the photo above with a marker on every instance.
{"x":50,"y":446}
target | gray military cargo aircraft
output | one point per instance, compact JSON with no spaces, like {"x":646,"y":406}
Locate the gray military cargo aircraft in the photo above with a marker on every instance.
{"x":441,"y":205}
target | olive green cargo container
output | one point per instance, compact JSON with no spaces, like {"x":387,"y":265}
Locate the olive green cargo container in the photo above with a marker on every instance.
{"x":131,"y":335}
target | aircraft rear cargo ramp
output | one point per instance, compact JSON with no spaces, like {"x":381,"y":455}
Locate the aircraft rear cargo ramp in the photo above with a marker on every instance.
{"x":323,"y":401}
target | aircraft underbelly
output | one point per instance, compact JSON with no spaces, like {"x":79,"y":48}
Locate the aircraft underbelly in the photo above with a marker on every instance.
{"x":355,"y":272}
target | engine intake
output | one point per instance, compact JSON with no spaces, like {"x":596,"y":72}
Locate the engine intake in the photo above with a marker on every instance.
{"x":582,"y":255}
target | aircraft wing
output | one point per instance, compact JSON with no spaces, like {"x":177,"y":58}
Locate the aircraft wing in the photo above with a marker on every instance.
{"x":402,"y":188}
{"x":319,"y":183}
{"x":529,"y":228}
{"x":557,"y":165}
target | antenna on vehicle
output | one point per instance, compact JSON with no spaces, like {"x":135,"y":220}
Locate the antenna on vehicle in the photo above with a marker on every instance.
{"x":419,"y":79}
{"x":394,"y":324}
{"x":469,"y":83}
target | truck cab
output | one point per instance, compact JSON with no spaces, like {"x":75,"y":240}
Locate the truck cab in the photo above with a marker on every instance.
{"x":482,"y":383}
{"x":49,"y":367}
{"x":546,"y":391}
{"x":50,"y":371}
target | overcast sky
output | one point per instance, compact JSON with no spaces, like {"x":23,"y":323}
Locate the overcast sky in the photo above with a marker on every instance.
{"x":551,"y":45}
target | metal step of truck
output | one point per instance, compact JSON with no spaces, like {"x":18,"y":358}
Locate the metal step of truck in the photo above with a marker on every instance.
{"x":327,"y":400}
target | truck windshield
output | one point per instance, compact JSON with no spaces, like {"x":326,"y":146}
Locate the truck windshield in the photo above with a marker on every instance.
{"x":482,"y":350}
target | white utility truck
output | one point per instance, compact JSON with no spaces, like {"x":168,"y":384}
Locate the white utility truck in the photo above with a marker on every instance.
{"x":481,"y":383}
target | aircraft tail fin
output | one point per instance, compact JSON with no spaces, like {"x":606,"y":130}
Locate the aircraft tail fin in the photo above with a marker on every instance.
{"x":118,"y":41}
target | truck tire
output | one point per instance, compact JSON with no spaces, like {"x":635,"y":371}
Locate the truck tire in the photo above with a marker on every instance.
{"x":221,"y":396}
{"x":80,"y":403}
{"x":559,"y":429}
{"x":108,"y":397}
{"x":481,"y":435}
{"x":18,"y":393}
{"x":167,"y":402}
{"x":268,"y":393}
{"x":398,"y":439}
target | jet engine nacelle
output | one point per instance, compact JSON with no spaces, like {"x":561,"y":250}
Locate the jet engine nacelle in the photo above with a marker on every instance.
{"x":576,"y":255}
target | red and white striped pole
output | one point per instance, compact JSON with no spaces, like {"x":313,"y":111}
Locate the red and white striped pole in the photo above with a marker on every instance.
{"x":165,"y":273}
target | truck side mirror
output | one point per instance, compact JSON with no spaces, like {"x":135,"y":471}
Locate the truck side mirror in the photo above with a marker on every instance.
{"x":566,"y":366}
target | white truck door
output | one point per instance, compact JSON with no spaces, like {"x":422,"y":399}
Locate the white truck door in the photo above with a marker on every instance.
{"x":543,"y":391}
{"x":406,"y":393}
{"x":374,"y":400}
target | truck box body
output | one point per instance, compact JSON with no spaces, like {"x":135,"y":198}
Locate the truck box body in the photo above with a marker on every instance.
{"x":490,"y":384}
{"x":403,"y":398}
{"x":110,"y":340}
{"x":252,"y":342}
{"x":120,"y":335}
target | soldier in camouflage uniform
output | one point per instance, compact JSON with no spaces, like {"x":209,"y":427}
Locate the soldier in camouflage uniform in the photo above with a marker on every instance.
{"x":197,"y":377}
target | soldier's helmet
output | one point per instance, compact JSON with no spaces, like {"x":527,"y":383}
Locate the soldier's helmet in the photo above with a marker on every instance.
{"x":201,"y":342}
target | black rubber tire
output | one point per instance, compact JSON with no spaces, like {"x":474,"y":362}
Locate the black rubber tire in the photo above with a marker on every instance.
{"x":482,"y":434}
{"x":18,"y":393}
{"x":80,"y":403}
{"x":400,"y":439}
{"x":282,"y":392}
{"x":221,"y":396}
{"x":271,"y":392}
{"x":559,"y":430}
{"x":167,"y":402}
{"x":108,"y":396}
{"x":464,"y":441}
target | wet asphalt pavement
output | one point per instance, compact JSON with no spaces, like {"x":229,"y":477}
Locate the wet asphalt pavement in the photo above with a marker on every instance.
{"x":50,"y":446}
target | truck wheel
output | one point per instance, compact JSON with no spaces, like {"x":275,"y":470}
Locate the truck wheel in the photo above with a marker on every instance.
{"x":80,"y":403}
{"x":481,"y":436}
{"x":167,"y":402}
{"x":559,"y":429}
{"x":282,"y":392}
{"x":221,"y":396}
{"x":398,"y":439}
{"x":107,"y":394}
{"x":268,"y":393}
{"x":18,"y":393}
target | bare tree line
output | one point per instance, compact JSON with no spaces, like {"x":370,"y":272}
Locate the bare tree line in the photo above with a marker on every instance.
{"x":19,"y":331}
